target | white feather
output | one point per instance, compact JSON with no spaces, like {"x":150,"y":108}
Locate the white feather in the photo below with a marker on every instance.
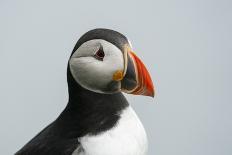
{"x":91,"y":73}
{"x":128,"y":137}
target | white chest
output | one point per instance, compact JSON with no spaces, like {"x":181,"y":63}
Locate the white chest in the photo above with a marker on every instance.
{"x":128,"y":137}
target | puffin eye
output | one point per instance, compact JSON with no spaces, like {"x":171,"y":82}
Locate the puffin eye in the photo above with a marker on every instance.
{"x":100,"y":54}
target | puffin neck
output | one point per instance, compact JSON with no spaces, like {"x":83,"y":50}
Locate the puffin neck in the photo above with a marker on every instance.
{"x":90,"y":112}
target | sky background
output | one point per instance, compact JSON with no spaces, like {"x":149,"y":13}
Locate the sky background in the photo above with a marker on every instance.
{"x":185,"y":44}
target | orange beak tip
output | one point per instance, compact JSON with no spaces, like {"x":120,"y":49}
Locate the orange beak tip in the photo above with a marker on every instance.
{"x":145,"y":84}
{"x":151,"y":93}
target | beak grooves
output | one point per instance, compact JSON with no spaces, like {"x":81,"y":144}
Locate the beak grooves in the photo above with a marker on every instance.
{"x":144,"y":82}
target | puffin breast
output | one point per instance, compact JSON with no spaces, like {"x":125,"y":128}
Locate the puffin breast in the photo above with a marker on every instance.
{"x":127,"y":137}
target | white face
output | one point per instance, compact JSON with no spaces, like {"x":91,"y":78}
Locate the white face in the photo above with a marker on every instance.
{"x":94,"y":63}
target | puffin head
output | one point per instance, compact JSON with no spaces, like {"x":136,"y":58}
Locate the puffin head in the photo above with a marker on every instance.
{"x":102,"y":61}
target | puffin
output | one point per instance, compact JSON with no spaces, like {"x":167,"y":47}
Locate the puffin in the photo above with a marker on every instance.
{"x":98,"y":120}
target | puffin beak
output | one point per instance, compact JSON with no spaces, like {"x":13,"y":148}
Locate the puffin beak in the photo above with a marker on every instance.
{"x":136,"y":80}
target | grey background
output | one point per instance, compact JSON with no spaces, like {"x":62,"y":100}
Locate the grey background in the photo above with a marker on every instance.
{"x":185,"y":44}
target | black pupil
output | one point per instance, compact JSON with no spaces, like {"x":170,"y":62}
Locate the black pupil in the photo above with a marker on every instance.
{"x":100,"y":53}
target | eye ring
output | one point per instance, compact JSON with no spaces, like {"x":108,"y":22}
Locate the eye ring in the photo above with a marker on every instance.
{"x":100,"y":54}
